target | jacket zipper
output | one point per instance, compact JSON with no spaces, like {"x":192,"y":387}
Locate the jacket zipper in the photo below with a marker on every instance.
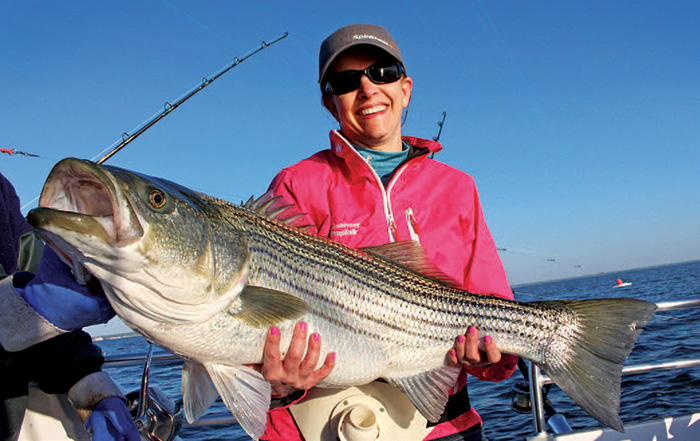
{"x":388,"y":213}
{"x":412,"y":225}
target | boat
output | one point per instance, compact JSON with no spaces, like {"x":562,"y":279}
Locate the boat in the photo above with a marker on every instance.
{"x":620,"y":283}
{"x":160,"y":418}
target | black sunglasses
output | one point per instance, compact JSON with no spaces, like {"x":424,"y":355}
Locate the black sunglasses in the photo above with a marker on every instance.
{"x":346,"y":81}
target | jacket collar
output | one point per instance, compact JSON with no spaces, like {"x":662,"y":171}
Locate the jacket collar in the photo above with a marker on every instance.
{"x":340,"y":145}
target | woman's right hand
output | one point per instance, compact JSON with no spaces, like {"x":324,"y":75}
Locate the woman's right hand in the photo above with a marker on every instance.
{"x":294,"y":371}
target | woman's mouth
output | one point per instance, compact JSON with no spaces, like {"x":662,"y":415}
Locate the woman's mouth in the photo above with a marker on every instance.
{"x":372,"y":110}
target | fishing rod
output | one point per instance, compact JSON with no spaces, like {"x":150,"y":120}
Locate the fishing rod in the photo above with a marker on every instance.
{"x":440,"y":123}
{"x":127,"y":138}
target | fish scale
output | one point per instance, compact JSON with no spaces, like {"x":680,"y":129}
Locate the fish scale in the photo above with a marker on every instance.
{"x":205,"y":279}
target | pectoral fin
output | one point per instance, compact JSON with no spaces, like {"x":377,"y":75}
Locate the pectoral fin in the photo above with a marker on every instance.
{"x":429,"y":391}
{"x":262,"y":307}
{"x":198,"y":392}
{"x":245,"y":393}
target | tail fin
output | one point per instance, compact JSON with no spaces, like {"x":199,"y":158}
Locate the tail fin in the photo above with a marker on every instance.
{"x":591,"y":376}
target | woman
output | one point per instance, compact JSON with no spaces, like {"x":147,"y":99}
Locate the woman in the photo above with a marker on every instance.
{"x":373,"y":187}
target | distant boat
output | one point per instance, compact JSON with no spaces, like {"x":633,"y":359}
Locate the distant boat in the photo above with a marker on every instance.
{"x":620,"y":283}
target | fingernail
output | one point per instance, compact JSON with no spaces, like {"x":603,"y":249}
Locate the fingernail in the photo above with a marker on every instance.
{"x":460,"y":339}
{"x":487,"y":339}
{"x":302,"y":326}
{"x":274,"y":330}
{"x":471,"y":330}
{"x":332,"y":355}
{"x":453,"y":353}
{"x":316,"y":336}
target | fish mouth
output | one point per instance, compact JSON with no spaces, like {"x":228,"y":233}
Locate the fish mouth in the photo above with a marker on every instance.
{"x":82,"y":197}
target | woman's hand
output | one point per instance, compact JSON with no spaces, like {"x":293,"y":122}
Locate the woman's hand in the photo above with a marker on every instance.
{"x":295,"y":371}
{"x":467,"y":351}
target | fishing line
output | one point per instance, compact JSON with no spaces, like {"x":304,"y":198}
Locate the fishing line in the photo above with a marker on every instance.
{"x":199,"y":23}
{"x":541,"y":256}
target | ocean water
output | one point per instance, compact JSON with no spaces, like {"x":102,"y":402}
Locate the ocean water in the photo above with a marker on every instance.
{"x":669,"y":336}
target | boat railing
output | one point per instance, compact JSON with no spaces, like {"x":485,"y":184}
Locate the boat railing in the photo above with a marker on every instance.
{"x":537,"y":378}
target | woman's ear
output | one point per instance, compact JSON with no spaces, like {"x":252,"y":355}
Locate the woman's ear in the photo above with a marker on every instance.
{"x":329,"y":104}
{"x":406,"y":89}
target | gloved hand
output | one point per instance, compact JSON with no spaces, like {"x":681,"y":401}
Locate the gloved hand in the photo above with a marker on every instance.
{"x":55,"y":294}
{"x":110,"y":420}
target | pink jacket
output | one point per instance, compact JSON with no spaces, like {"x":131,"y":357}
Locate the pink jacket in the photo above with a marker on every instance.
{"x":424,"y":200}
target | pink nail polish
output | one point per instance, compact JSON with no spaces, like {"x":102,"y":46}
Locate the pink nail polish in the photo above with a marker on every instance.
{"x":453,"y":353}
{"x":332,"y":355}
{"x":316,"y":337}
{"x":487,"y":339}
{"x":302,"y":326}
{"x":460,"y":339}
{"x":471,"y":330}
{"x":274,"y":330}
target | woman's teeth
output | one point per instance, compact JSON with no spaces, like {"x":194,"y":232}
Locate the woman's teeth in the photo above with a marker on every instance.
{"x":371,"y":110}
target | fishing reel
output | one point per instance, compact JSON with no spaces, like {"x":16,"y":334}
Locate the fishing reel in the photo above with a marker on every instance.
{"x":157,"y":417}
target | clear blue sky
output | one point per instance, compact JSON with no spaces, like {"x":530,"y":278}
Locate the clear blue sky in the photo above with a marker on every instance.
{"x":579,"y":120}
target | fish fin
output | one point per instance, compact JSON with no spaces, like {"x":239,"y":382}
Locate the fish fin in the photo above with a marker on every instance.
{"x":428,"y":391}
{"x":606,"y":332}
{"x":198,"y":392}
{"x":410,"y":254}
{"x":263,"y":307}
{"x":245,"y":393}
{"x":269,"y":206}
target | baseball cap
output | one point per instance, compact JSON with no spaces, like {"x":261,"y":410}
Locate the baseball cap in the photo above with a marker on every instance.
{"x":354,"y":35}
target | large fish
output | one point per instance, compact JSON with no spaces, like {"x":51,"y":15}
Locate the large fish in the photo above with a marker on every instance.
{"x":206,"y":279}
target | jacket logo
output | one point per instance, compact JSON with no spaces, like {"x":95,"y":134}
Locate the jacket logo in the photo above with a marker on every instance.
{"x":345,"y":229}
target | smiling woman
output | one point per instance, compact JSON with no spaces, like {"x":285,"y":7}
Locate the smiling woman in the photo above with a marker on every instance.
{"x":389,"y":190}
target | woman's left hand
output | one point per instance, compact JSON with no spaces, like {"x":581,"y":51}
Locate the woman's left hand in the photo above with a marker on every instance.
{"x":468,"y":352}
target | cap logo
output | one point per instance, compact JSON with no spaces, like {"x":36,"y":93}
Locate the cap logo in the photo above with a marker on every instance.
{"x":371,"y":37}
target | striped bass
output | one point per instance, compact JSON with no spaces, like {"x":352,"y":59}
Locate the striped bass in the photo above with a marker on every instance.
{"x":205,"y":279}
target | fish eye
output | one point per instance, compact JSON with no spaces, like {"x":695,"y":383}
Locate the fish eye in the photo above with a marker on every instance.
{"x":157,"y":198}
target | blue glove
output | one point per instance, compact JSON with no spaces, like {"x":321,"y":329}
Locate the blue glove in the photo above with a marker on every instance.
{"x":110,"y":420}
{"x":55,"y":294}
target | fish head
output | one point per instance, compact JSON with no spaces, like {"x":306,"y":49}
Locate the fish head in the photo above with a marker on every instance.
{"x":161,"y":251}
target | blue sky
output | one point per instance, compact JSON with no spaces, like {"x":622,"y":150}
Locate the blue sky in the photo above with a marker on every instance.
{"x":579,"y":120}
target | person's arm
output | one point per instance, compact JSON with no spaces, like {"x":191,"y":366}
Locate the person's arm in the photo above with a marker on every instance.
{"x":485,"y":275}
{"x":36,"y":307}
{"x":74,"y":361}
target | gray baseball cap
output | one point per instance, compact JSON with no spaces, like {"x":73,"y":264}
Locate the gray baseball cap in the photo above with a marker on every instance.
{"x":354,"y":35}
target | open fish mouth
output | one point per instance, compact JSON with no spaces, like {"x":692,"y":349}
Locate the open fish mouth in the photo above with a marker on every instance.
{"x":81,"y":197}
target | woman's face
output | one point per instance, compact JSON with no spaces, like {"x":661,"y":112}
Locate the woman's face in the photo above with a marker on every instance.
{"x":371,"y":115}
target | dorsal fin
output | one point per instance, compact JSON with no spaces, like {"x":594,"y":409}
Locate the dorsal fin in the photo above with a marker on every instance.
{"x":411,"y":255}
{"x":271,"y":207}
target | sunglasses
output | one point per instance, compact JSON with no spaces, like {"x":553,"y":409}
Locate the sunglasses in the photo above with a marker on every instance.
{"x":348,"y":80}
